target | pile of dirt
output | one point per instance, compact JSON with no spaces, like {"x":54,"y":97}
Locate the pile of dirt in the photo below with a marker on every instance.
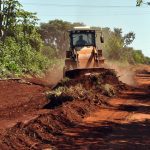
{"x":91,"y":87}
{"x":69,"y":102}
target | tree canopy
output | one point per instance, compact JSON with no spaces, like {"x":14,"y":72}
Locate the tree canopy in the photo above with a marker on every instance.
{"x":140,"y":2}
{"x":116,"y":47}
{"x":20,"y":42}
{"x":55,"y":34}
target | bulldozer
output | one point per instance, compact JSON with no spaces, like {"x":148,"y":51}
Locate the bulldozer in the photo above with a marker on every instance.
{"x":84,"y":56}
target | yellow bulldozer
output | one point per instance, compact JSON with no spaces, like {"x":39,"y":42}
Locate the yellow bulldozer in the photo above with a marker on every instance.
{"x":84,"y":56}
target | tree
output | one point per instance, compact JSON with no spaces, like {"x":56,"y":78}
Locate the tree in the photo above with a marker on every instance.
{"x":129,"y":38}
{"x":55,"y":34}
{"x":27,"y":24}
{"x":20,"y":42}
{"x":8,"y":15}
{"x":138,"y":56}
{"x":118,"y":32}
{"x":116,"y":47}
{"x":16,"y":22}
{"x":147,"y":60}
{"x":140,"y":2}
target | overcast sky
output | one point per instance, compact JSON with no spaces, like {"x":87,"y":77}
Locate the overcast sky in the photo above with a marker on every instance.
{"x":103,"y":13}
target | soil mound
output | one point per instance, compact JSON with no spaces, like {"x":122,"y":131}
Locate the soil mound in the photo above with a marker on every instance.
{"x":68,"y":103}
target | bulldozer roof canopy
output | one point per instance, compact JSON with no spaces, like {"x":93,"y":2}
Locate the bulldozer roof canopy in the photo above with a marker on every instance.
{"x":82,"y":31}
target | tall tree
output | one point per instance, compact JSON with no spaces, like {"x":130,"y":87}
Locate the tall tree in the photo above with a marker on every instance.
{"x":54,"y":33}
{"x":116,"y":47}
{"x":139,"y":2}
{"x":129,"y":38}
{"x":8,"y":16}
{"x":20,"y":41}
{"x":18,"y":23}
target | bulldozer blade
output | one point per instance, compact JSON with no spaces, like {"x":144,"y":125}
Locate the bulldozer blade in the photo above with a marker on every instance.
{"x":75,"y":73}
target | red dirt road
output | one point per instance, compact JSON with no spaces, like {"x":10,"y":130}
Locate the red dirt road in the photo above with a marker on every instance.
{"x":123,"y":126}
{"x":25,"y":123}
{"x":19,"y":100}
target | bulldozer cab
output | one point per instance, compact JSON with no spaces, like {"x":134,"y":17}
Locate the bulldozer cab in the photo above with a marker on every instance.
{"x":82,"y":38}
{"x":83,"y":52}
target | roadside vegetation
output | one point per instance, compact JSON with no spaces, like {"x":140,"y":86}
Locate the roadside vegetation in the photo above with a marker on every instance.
{"x":116,"y":47}
{"x":29,"y":48}
{"x":20,"y":42}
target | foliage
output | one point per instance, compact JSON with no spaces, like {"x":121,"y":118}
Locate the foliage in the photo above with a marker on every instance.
{"x":129,"y":38}
{"x":116,"y":47}
{"x":113,"y":46}
{"x":55,"y":34}
{"x":16,"y":60}
{"x":140,"y":58}
{"x":64,"y":93}
{"x":139,"y":2}
{"x":64,"y":81}
{"x":108,"y":90}
{"x":49,"y":51}
{"x":20,"y":42}
{"x":147,"y":60}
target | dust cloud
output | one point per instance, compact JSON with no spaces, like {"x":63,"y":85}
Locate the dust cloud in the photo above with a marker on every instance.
{"x":53,"y":76}
{"x":125,"y":73}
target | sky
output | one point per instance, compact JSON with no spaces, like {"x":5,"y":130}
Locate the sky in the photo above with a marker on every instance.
{"x":103,"y":13}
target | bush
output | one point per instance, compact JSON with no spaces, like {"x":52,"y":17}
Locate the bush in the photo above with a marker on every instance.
{"x":16,"y":59}
{"x":49,"y":52}
{"x":138,"y":56}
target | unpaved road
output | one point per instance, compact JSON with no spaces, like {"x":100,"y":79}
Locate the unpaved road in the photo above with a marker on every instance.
{"x":123,"y":126}
{"x":20,"y":100}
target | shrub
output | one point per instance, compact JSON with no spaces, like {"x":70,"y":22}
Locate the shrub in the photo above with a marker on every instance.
{"x":16,"y":60}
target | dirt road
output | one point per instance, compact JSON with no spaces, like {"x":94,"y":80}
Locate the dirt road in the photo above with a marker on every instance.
{"x":20,"y":99}
{"x":123,"y":126}
{"x":27,"y":120}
